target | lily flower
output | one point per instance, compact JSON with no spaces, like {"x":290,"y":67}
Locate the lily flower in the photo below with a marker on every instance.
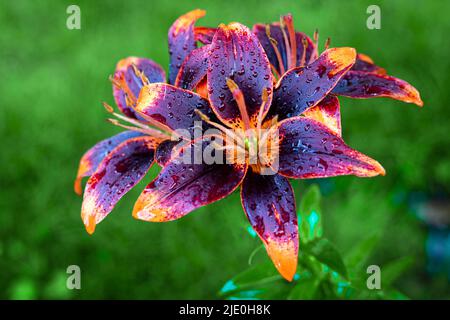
{"x":243,"y":98}
{"x":288,"y":51}
{"x":115,"y":165}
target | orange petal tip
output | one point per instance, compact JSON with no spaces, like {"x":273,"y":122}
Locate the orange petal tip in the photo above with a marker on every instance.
{"x":90,"y":224}
{"x":342,"y":56}
{"x":77,"y":186}
{"x":284,"y":257}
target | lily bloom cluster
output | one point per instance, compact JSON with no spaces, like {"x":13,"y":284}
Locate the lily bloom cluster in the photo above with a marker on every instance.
{"x":241,"y":82}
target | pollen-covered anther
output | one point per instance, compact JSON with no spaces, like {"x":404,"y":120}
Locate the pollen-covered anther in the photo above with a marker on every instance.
{"x":274,"y":44}
{"x":305,"y":47}
{"x":327,"y":43}
{"x":240,"y":101}
{"x":140,"y":74}
{"x":289,"y":23}
{"x":136,"y":124}
{"x":119,"y":82}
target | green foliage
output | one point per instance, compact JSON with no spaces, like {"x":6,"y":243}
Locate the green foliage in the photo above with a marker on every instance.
{"x":310,"y":217}
{"x":322,"y":272}
{"x":325,"y":252}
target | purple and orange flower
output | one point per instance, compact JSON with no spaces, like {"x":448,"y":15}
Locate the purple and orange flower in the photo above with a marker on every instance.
{"x":266,"y":87}
{"x":115,"y":165}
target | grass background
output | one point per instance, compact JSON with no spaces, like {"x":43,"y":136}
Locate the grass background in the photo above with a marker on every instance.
{"x":53,"y":80}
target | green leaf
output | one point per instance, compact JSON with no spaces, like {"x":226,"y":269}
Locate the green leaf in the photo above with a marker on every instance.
{"x":305,"y":288}
{"x":392,"y":294}
{"x":391,"y":271}
{"x":310,"y":217}
{"x":358,"y":256}
{"x":325,"y":252}
{"x":254,"y":276}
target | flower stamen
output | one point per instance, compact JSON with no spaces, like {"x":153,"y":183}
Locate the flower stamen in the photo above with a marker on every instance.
{"x":292,"y":39}
{"x":240,"y":101}
{"x":140,"y":74}
{"x":305,"y":47}
{"x":274,"y":44}
{"x":138,"y":125}
{"x":286,"y":43}
{"x":120,"y":83}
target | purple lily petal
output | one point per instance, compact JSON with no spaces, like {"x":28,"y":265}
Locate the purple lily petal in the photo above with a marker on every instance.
{"x":194,"y":69}
{"x":164,"y":151}
{"x":172,"y":107}
{"x":204,"y":34}
{"x":275,"y":32}
{"x":236,"y":54}
{"x":359,"y":84}
{"x":91,"y":159}
{"x":308,"y":149}
{"x":131,"y":83}
{"x":366,"y":64}
{"x":302,"y":88}
{"x":182,"y":186}
{"x":118,"y":173}
{"x":327,"y":112}
{"x":182,"y":40}
{"x":269,"y":203}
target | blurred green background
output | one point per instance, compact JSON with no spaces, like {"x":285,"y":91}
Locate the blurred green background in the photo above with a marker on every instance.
{"x":53,"y":80}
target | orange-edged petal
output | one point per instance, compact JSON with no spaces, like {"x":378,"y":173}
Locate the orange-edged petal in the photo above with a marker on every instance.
{"x":359,"y":84}
{"x":128,"y":82}
{"x":204,"y":34}
{"x":118,"y":173}
{"x":309,"y":149}
{"x":327,"y":112}
{"x":182,"y":186}
{"x":365,"y":63}
{"x":237,"y":55}
{"x":302,"y":52}
{"x":172,"y":107}
{"x":92,"y":158}
{"x":194,"y":69}
{"x":202,"y":88}
{"x":269,"y":203}
{"x":303,"y":88}
{"x":164,"y":152}
{"x":182,"y":40}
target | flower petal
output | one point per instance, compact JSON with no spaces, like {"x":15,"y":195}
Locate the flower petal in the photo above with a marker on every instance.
{"x":164,"y":151}
{"x":308,"y":149}
{"x":359,"y":84}
{"x":327,"y":112}
{"x":118,"y":173}
{"x":275,"y":33}
{"x":202,"y":88}
{"x":125,"y":75}
{"x":92,"y":158}
{"x":302,"y":88}
{"x":365,"y":63}
{"x":171,"y":106}
{"x":236,"y":54}
{"x":194,"y":69}
{"x":183,"y":186}
{"x":182,"y":40}
{"x":269,"y":203}
{"x":204,"y":34}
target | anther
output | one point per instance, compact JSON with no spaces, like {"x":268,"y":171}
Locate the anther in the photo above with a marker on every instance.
{"x":274,"y":44}
{"x":305,"y":47}
{"x":327,"y":43}
{"x":240,"y":101}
